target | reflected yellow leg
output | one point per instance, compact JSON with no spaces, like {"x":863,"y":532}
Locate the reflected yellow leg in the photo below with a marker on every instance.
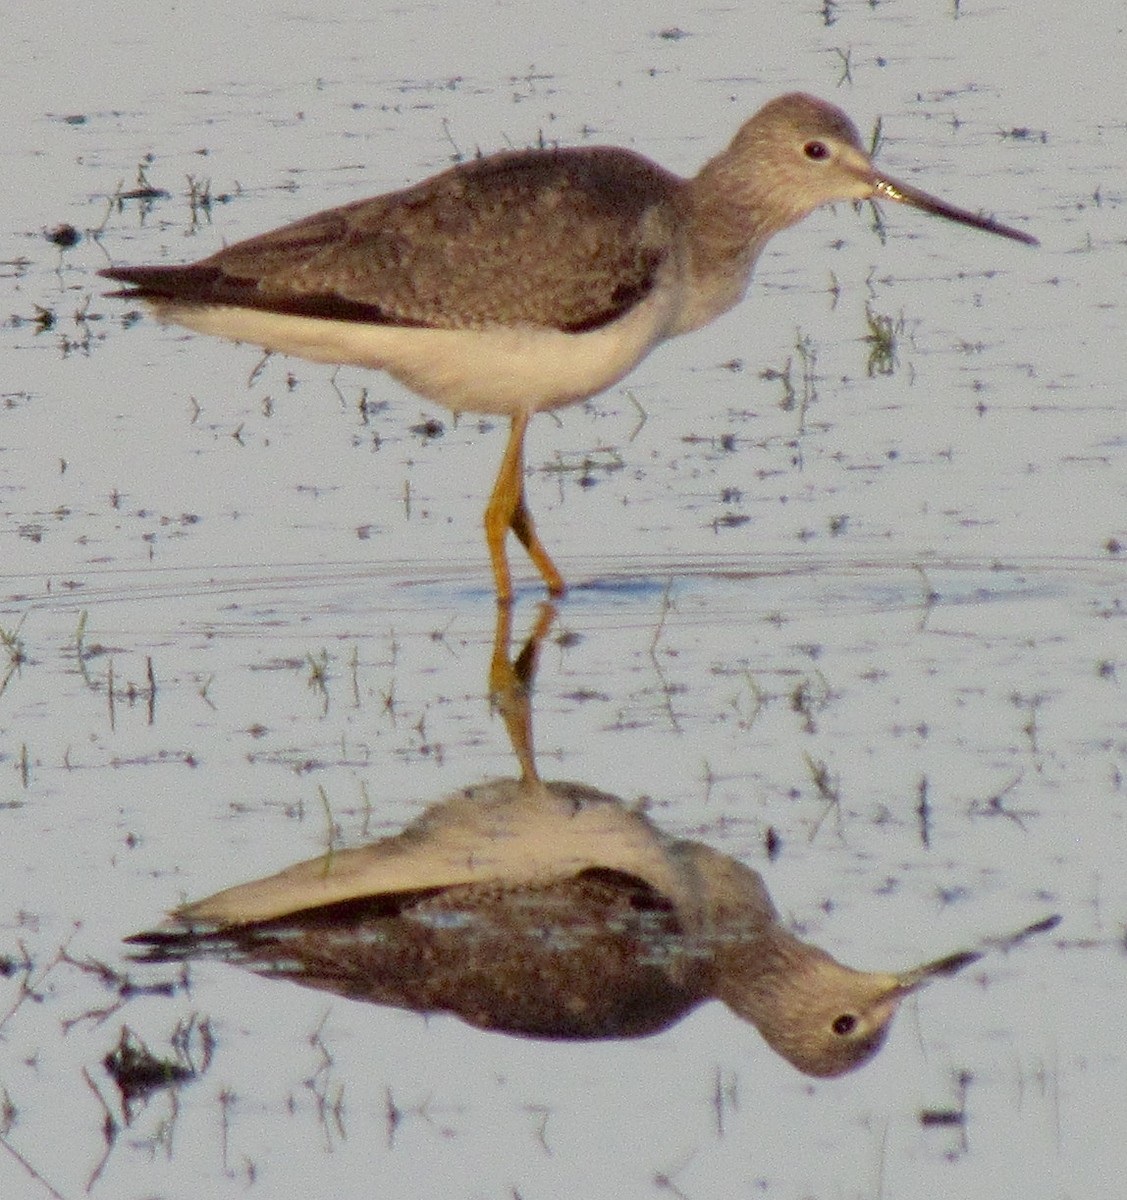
{"x":507,"y":510}
{"x":510,"y":682}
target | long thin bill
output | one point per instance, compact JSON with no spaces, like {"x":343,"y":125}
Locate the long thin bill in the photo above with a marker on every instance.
{"x":902,"y":193}
{"x":910,"y":980}
{"x":918,"y":976}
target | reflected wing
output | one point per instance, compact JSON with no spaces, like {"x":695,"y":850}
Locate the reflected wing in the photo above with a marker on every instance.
{"x":599,"y":955}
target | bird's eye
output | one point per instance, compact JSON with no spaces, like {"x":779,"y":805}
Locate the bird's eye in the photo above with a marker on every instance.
{"x":816,"y":151}
{"x":844,"y":1025}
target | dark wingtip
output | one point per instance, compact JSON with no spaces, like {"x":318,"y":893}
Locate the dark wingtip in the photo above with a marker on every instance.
{"x":153,"y":946}
{"x":135,"y":276}
{"x":121,"y":275}
{"x":203,"y":284}
{"x":155,"y":937}
{"x":174,"y":944}
{"x":187,"y":283}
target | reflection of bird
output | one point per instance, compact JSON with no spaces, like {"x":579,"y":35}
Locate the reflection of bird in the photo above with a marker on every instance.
{"x":549,"y":910}
{"x":529,"y":280}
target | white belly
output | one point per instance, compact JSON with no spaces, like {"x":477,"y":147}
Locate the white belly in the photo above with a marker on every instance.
{"x":493,"y":370}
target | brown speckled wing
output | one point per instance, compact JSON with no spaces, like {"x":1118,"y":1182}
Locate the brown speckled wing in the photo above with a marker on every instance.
{"x":464,"y":249}
{"x":598,"y":955}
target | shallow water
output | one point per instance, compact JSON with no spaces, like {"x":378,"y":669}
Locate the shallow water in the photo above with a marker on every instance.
{"x":886,"y":623}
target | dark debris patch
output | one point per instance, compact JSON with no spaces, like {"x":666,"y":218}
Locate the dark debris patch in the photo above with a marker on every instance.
{"x":10,"y":966}
{"x":139,"y":1073}
{"x":64,"y":236}
{"x":942,"y":1116}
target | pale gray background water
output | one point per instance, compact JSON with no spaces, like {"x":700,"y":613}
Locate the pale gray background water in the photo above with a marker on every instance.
{"x":231,"y":534}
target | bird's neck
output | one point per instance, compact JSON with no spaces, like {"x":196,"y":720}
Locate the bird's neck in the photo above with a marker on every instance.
{"x":731,"y":216}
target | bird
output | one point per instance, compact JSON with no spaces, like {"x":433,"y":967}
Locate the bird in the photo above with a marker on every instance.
{"x":548,"y":910}
{"x":527,"y":280}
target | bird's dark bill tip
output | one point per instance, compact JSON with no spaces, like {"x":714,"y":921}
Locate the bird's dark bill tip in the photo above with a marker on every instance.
{"x":953,"y":963}
{"x":902,"y":193}
{"x":1044,"y":925}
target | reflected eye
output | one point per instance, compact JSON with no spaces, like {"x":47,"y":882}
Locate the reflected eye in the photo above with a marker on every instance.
{"x":844,"y":1025}
{"x":816,"y":151}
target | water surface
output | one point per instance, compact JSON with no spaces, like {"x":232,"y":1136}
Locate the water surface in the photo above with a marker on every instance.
{"x":875,"y":609}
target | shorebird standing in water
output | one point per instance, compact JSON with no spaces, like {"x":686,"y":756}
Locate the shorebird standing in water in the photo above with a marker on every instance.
{"x":532,"y":279}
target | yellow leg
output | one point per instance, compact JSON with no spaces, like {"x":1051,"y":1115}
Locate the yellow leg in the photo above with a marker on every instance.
{"x":507,"y":510}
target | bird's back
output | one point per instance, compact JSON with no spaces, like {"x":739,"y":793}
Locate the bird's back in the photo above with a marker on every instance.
{"x":567,"y":239}
{"x":598,"y":955}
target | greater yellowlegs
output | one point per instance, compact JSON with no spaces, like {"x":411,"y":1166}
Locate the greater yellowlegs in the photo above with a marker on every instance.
{"x":531,"y":279}
{"x":548,"y":910}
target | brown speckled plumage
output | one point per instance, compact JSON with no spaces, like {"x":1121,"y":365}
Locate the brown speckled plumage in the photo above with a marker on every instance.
{"x":530,"y":279}
{"x":552,"y":911}
{"x":462,"y":250}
